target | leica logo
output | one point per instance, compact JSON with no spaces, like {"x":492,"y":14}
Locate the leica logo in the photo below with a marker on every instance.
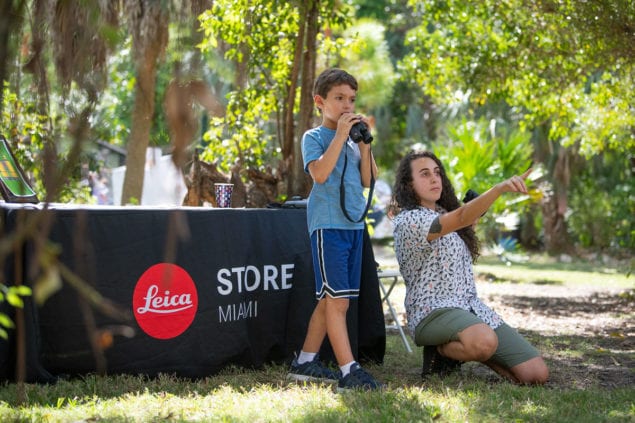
{"x":165,"y":304}
{"x":165,"y":301}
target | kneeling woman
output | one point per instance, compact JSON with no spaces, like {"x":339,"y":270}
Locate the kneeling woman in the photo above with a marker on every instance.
{"x":435,"y":245}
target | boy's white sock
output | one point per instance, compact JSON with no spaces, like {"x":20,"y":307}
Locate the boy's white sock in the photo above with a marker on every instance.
{"x":305,"y":357}
{"x":346,"y":369}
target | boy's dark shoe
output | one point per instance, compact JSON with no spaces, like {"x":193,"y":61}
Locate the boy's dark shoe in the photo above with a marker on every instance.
{"x":436,"y":364}
{"x":358,"y":378}
{"x":311,"y":371}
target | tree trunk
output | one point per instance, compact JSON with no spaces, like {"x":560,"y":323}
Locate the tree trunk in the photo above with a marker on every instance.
{"x":288,"y":140}
{"x":149,"y":27}
{"x":140,"y":132}
{"x":554,"y":206}
{"x":10,"y":24}
{"x":299,"y":183}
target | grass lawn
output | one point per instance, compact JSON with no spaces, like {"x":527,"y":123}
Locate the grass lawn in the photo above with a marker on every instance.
{"x":545,"y":271}
{"x":264,"y":395}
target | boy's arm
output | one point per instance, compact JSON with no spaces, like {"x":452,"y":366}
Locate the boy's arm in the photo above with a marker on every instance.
{"x":366,"y":164}
{"x":321,"y":168}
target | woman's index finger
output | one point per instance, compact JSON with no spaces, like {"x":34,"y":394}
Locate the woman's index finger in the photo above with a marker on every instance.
{"x":526,"y":174}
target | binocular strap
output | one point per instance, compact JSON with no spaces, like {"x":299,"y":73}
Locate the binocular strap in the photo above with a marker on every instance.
{"x":343,"y":189}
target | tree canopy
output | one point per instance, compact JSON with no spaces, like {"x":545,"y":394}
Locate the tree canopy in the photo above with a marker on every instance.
{"x":570,"y":63}
{"x":552,"y":76}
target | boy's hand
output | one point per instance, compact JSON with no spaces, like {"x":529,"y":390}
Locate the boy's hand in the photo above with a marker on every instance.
{"x":346,"y":122}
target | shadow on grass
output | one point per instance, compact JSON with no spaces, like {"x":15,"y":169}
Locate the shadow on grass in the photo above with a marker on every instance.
{"x":587,"y":361}
{"x":597,"y":346}
{"x":578,"y":362}
{"x":574,"y":266}
{"x":492,"y":278}
{"x":547,"y":282}
{"x":602,"y":360}
{"x":585,"y":306}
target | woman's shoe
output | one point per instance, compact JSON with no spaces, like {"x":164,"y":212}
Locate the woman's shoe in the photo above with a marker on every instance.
{"x":436,"y":364}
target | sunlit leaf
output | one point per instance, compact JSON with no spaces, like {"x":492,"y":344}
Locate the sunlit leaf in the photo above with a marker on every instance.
{"x":49,"y":283}
{"x":6,"y":322}
{"x":14,"y":299}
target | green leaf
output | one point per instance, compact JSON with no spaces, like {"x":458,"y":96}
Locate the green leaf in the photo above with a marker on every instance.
{"x":49,"y":283}
{"x":22,"y":290}
{"x":14,"y":299}
{"x":5,"y":321}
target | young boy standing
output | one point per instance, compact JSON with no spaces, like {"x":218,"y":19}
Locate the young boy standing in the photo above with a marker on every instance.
{"x":336,"y":163}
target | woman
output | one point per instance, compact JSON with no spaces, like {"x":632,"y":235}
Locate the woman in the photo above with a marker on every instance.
{"x":436,"y":246}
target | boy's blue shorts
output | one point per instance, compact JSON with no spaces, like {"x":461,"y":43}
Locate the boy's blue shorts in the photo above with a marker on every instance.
{"x":337,"y":262}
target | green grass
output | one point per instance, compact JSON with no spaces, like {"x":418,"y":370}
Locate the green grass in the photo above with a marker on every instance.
{"x":264,"y":395}
{"x":541,"y":270}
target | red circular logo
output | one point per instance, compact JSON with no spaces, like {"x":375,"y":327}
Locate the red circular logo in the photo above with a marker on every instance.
{"x":165,"y":301}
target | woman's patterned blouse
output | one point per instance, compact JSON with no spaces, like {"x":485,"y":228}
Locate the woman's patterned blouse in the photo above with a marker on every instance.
{"x":439,"y":273}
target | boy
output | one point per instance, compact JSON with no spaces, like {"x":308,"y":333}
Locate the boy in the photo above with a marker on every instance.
{"x":335,"y":163}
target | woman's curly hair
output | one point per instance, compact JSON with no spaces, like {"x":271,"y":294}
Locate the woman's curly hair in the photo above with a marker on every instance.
{"x":405,"y":197}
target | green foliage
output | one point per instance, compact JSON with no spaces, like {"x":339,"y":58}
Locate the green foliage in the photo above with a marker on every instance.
{"x":13,"y":296}
{"x":469,"y":152}
{"x":558,"y":61}
{"x":246,"y":30}
{"x":246,"y":143}
{"x":369,"y":61}
{"x":250,"y":131}
{"x":398,"y":119}
{"x":114,"y":111}
{"x":259,"y":37}
{"x":603,"y":208}
{"x":565,"y":68}
{"x":477,"y":155}
{"x":605,"y":119}
{"x":362,"y":50}
{"x":26,"y":131}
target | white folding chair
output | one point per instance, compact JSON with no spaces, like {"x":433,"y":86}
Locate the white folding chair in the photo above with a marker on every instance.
{"x":394,"y":276}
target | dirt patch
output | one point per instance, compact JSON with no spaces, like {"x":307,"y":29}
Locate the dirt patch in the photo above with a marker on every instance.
{"x":587,"y":335}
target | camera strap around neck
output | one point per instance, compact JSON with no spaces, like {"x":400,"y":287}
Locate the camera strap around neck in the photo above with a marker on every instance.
{"x":343,"y":190}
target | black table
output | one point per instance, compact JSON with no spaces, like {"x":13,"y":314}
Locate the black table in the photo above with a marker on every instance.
{"x":236,"y":288}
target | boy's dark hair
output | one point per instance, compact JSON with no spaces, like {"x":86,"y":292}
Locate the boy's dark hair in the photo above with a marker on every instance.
{"x":331,"y":78}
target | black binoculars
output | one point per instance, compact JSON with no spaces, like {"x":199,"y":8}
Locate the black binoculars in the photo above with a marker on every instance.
{"x":359,"y":132}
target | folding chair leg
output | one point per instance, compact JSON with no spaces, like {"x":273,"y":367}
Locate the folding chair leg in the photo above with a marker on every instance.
{"x":393,"y":313}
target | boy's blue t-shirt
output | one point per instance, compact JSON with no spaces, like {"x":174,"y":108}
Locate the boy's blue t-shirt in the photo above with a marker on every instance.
{"x":323,"y":206}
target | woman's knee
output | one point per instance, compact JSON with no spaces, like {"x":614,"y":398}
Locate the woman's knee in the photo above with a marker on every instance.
{"x":531,"y":372}
{"x":480,"y":342}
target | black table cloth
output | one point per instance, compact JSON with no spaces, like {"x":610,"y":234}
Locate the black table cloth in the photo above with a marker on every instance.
{"x":204,"y":289}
